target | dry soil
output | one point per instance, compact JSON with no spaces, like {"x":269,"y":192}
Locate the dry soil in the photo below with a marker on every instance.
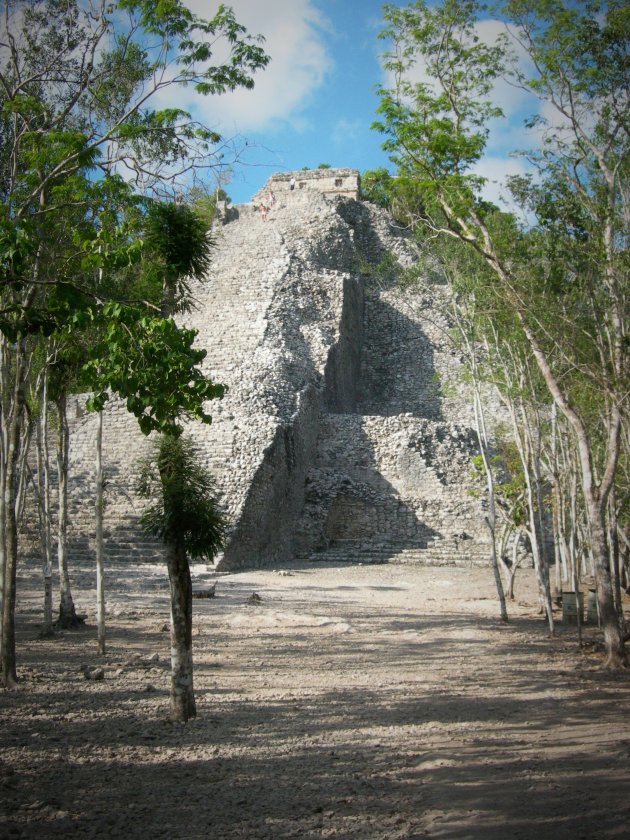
{"x":375,"y":701}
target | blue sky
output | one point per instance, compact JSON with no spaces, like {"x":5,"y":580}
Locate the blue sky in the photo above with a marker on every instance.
{"x":315,"y":102}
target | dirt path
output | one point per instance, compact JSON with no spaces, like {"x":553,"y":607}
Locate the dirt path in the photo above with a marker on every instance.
{"x":376,"y":702}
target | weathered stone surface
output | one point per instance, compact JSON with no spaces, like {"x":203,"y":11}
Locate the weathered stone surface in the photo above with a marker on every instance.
{"x":337,"y":436}
{"x":329,"y":182}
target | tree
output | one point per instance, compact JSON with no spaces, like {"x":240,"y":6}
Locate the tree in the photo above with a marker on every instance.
{"x":184,"y":516}
{"x":76,"y":85}
{"x":399,"y":196}
{"x":376,"y":186}
{"x":67,"y":617}
{"x":183,"y":513}
{"x":497,"y":363}
{"x":565,"y":279}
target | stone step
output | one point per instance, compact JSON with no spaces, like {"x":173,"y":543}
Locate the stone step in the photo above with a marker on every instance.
{"x":423,"y":556}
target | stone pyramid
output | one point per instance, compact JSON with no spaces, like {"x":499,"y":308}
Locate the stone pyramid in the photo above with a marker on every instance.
{"x":338,"y":437}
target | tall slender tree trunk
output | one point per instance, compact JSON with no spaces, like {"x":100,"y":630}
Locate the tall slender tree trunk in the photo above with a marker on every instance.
{"x":515,"y":565}
{"x":539,"y":520}
{"x":523,"y":444}
{"x":491,"y":519}
{"x":482,"y":438}
{"x":596,"y":501}
{"x":542,"y":570}
{"x":99,"y":511}
{"x":12,"y":458}
{"x":26,"y":434}
{"x":556,"y":503}
{"x":9,"y":671}
{"x":623,"y":534}
{"x":613,"y":545}
{"x":67,"y":613}
{"x":613,"y":636}
{"x":182,"y":702}
{"x":43,"y":481}
{"x":559,"y":541}
{"x":182,"y":706}
{"x":4,"y":442}
{"x":98,"y":515}
{"x":507,"y":532}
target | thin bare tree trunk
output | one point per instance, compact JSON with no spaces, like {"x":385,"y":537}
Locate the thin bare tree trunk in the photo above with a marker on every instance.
{"x":43,"y":481}
{"x":575,"y":583}
{"x":98,"y":515}
{"x":23,"y":471}
{"x":12,"y":458}
{"x":504,"y":540}
{"x":613,"y":542}
{"x":514,"y":569}
{"x":491,"y":520}
{"x":482,"y":439}
{"x":4,"y":444}
{"x":523,"y":440}
{"x":558,"y":538}
{"x":534,"y":447}
{"x":623,"y":534}
{"x":99,"y":511}
{"x":67,"y":613}
{"x":556,"y":504}
{"x":613,"y":636}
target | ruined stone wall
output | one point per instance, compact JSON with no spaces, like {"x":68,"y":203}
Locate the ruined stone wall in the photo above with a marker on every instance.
{"x":391,"y":478}
{"x":330,"y":182}
{"x":340,"y":434}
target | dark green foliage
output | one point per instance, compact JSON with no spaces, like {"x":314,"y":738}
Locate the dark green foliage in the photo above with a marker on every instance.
{"x":178,"y":247}
{"x":177,"y":236}
{"x":183,"y":509}
{"x":151,"y":363}
{"x":397,"y":193}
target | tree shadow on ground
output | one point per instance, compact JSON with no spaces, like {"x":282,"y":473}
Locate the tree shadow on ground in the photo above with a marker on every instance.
{"x":370,"y":741}
{"x":448,"y":781}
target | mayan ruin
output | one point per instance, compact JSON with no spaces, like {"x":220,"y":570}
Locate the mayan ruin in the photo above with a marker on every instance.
{"x":314,"y":420}
{"x":338,"y":437}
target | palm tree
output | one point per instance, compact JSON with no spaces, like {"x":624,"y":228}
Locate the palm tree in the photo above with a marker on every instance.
{"x":184,"y":514}
{"x":179,"y":246}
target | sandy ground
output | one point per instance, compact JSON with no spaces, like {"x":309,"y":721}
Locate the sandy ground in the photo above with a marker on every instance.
{"x":351,"y":702}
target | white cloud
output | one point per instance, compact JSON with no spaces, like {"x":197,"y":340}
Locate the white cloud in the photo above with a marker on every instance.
{"x":496,"y":170}
{"x":294,"y":38}
{"x":507,"y":95}
{"x":347,"y":131}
